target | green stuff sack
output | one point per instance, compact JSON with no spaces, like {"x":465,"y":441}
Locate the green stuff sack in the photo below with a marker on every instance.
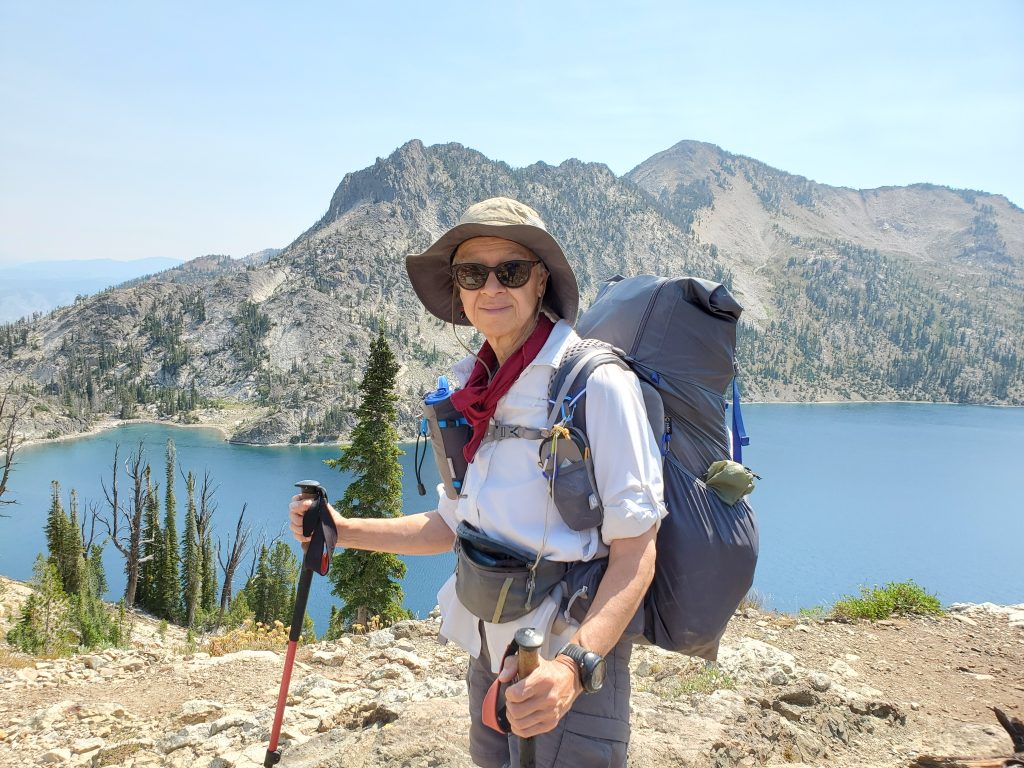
{"x":731,"y":481}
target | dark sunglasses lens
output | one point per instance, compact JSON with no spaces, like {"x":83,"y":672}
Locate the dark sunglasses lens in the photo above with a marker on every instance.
{"x":471,"y":276}
{"x":513,"y":274}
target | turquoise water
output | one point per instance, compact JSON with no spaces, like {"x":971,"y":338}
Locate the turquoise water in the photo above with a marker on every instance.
{"x":850,"y":495}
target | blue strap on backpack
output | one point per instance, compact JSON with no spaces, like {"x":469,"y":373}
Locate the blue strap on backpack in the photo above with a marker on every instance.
{"x":739,"y":432}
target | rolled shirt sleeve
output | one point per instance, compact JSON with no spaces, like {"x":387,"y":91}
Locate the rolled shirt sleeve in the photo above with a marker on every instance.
{"x":627,"y":462}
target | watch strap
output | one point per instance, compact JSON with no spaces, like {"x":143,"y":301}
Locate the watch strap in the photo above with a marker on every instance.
{"x":577,"y":655}
{"x":577,"y":673}
{"x":574,"y":652}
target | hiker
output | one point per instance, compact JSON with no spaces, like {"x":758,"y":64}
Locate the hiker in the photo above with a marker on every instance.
{"x":500,"y":272}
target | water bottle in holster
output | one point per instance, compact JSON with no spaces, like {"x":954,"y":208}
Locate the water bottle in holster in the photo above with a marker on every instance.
{"x":449,"y":432}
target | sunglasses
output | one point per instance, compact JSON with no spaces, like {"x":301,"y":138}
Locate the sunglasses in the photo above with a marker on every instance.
{"x":511,"y":274}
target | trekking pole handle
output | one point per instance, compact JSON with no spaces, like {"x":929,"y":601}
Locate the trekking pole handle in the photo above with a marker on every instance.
{"x":318,"y":524}
{"x":314,"y":489}
{"x":529,"y":641}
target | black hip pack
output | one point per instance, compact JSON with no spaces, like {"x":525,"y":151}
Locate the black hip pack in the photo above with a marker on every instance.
{"x":497,"y":582}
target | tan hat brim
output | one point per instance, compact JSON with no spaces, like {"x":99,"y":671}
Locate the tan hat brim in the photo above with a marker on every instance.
{"x":430,"y":271}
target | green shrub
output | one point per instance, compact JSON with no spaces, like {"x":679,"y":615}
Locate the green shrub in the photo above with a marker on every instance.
{"x":239,"y":612}
{"x":814,"y":612}
{"x":904,"y":598}
{"x":43,"y":627}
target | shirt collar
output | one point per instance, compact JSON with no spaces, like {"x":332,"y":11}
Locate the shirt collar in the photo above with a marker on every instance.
{"x":550,"y":354}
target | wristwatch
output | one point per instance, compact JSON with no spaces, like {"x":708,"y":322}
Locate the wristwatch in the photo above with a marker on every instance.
{"x":589,"y":665}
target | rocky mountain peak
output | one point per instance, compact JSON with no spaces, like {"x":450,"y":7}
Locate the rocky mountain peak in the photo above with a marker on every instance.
{"x":897,"y":293}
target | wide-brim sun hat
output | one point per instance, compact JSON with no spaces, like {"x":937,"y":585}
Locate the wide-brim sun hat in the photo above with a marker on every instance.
{"x":430,"y":271}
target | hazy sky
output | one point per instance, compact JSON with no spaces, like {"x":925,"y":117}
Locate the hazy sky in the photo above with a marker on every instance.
{"x":177,"y":129}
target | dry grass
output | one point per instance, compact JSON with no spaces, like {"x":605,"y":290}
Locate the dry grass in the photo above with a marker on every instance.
{"x":12,"y":660}
{"x":753,"y":599}
{"x":250,"y":637}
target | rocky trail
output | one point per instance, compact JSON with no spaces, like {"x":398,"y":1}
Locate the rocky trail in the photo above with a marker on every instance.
{"x":787,"y":691}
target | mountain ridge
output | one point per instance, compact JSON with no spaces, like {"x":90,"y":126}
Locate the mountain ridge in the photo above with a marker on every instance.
{"x":849,"y":295}
{"x":686,"y":143}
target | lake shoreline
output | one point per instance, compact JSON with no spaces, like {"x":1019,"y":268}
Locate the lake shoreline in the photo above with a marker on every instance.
{"x":222,"y":426}
{"x":108,"y":424}
{"x":218,"y":420}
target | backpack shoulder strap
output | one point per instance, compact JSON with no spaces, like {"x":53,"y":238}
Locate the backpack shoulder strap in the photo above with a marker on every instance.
{"x":566,"y":393}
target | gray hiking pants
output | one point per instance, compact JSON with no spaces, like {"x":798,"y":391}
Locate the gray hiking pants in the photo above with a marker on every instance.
{"x":593,"y":734}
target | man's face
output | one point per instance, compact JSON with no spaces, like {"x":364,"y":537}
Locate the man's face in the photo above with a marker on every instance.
{"x":501,"y":314}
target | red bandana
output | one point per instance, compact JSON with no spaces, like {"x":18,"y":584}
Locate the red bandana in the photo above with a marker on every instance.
{"x":478,"y":399}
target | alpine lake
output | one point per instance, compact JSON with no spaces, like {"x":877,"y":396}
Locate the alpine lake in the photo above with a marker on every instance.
{"x":850,"y":495}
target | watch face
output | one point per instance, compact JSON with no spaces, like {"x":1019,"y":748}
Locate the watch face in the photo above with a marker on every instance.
{"x":596,"y":672}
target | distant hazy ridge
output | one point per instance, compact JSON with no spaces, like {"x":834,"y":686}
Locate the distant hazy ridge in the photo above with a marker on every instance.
{"x":896,"y":293}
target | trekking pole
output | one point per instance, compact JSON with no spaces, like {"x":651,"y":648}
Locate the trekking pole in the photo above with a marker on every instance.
{"x":529,"y":641}
{"x":318,"y":523}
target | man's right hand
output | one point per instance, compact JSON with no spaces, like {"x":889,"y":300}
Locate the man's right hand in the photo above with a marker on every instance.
{"x":300,"y":504}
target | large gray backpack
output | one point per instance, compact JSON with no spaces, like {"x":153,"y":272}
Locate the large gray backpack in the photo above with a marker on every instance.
{"x":679,"y":337}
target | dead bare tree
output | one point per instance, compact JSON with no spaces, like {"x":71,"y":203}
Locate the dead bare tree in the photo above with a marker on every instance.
{"x":207,"y":506}
{"x":125,"y":524}
{"x":229,"y":564}
{"x":11,"y":410}
{"x":93,"y":513}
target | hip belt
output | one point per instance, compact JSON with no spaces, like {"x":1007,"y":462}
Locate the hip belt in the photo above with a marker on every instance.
{"x":500,"y":583}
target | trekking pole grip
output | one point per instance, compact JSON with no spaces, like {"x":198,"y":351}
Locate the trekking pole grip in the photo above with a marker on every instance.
{"x":529,"y":641}
{"x":318,"y":524}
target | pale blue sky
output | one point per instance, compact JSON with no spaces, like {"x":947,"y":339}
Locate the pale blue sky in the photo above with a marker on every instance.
{"x":178,"y":129}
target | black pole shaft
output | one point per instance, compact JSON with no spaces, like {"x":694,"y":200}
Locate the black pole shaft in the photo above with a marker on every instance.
{"x":301,"y":598}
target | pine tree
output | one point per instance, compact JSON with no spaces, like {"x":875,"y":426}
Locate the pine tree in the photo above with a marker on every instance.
{"x":284,"y":575}
{"x":191,"y":558}
{"x":368,"y":581}
{"x":147,"y":595}
{"x":43,"y":626}
{"x":74,"y":555}
{"x":169,"y":587}
{"x":204,"y":536}
{"x":271,"y":591}
{"x":208,"y":598}
{"x":97,"y":572}
{"x":257,"y":590}
{"x":64,"y":541}
{"x":56,"y":528}
{"x":91,"y":617}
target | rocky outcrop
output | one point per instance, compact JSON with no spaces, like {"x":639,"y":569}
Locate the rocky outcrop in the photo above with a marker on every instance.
{"x":785,"y":691}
